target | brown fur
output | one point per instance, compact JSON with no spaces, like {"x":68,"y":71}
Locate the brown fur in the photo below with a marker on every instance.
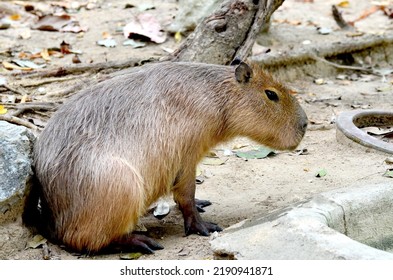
{"x":114,"y":149}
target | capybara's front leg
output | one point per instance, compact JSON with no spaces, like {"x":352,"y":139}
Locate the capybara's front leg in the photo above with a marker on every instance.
{"x":184,"y":195}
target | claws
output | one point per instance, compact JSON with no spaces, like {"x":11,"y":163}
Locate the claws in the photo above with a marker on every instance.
{"x":202,"y":228}
{"x":136,"y":242}
{"x":200,"y":204}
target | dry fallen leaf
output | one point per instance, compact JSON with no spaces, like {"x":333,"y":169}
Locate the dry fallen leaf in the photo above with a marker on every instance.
{"x":65,"y":48}
{"x":15,"y":17}
{"x":2,"y":110}
{"x":76,"y":59}
{"x":52,"y":23}
{"x":162,"y":209}
{"x":45,"y":55}
{"x":343,"y":4}
{"x":12,"y":66}
{"x":145,"y":26}
{"x":106,"y":35}
{"x":28,"y":64}
{"x":178,"y":37}
{"x":63,"y":23}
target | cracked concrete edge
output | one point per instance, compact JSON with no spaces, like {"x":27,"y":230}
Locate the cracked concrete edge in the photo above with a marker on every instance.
{"x":348,"y":124}
{"x":313,"y":230}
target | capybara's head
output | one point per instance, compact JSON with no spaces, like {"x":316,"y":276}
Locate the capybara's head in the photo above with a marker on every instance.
{"x":270,"y":114}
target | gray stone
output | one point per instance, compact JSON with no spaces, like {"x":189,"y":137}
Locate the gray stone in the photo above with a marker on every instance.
{"x":16,"y":144}
{"x":349,"y":223}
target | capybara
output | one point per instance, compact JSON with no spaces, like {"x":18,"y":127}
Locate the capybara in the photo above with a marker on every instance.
{"x":113,"y":149}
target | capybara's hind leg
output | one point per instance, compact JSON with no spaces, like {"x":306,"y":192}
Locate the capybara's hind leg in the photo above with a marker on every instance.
{"x":184,"y":195}
{"x":135,"y":243}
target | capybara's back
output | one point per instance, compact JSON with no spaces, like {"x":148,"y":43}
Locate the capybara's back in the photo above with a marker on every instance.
{"x":113,"y":149}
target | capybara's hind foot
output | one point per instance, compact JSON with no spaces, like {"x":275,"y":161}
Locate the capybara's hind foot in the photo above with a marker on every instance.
{"x":201,"y":227}
{"x":200,"y":204}
{"x":136,"y":243}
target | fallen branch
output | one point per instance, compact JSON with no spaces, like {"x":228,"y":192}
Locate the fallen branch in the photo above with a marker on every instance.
{"x":18,"y":121}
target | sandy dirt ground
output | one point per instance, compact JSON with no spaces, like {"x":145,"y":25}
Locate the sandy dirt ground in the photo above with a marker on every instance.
{"x":238,"y":189}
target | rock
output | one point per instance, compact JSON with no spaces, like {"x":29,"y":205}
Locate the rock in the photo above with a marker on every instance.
{"x":16,"y":144}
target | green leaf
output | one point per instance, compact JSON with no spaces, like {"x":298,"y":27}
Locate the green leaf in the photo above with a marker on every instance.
{"x":212,"y":161}
{"x":37,"y":241}
{"x":321,"y":173}
{"x":134,"y":44}
{"x":259,"y":153}
{"x":109,"y":43}
{"x":389,"y":173}
{"x":131,"y":256}
{"x":28,"y":64}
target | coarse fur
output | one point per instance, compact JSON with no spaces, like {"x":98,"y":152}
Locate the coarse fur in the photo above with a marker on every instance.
{"x":114,"y":149}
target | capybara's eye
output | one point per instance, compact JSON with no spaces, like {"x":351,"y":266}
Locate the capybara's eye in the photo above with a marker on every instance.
{"x":271,"y":95}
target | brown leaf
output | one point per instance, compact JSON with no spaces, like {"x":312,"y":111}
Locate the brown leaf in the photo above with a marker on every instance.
{"x":63,"y":23}
{"x":52,"y":23}
{"x":76,"y":59}
{"x":388,"y":11}
{"x":12,"y":66}
{"x":146,"y":26}
{"x":15,"y":17}
{"x":65,"y":48}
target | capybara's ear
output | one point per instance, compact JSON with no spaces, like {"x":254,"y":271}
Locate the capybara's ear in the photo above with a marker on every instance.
{"x":236,"y":61}
{"x":243,"y":73}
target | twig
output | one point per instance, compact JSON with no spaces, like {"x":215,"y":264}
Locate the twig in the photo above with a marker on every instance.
{"x":83,"y":68}
{"x":45,"y":252}
{"x":347,"y":67}
{"x":22,"y":107}
{"x":340,"y":20}
{"x":14,"y":90}
{"x":40,"y":82}
{"x":69,"y":90}
{"x":18,"y":121}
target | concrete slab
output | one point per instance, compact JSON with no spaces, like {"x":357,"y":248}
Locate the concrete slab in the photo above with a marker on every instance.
{"x":340,"y":224}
